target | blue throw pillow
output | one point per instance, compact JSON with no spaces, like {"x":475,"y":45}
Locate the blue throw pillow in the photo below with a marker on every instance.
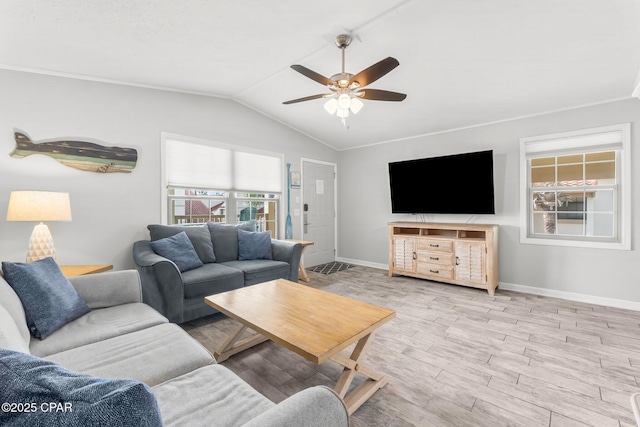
{"x":254,"y":245}
{"x":198,"y":235}
{"x":48,"y":298}
{"x":35,"y":392}
{"x":179,"y":249}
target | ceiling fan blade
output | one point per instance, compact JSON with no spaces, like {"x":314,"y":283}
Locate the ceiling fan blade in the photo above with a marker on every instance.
{"x":380,"y":95}
{"x":374,"y":72}
{"x":313,"y":75}
{"x":307,"y":98}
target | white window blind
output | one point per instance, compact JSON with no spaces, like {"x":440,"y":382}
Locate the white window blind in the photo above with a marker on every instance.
{"x":253,"y":172}
{"x":192,"y":165}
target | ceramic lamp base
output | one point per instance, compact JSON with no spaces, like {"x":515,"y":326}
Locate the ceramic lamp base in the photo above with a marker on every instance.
{"x":40,"y":244}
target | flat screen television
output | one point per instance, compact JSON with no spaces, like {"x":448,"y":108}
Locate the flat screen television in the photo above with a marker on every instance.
{"x":455,"y":184}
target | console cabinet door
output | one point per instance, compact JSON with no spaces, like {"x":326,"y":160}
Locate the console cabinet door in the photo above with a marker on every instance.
{"x":471,"y":262}
{"x":404,"y":254}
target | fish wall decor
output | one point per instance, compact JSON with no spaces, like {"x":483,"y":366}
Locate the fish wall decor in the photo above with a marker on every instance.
{"x":82,"y":155}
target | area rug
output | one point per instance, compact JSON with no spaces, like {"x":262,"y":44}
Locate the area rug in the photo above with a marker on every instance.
{"x":330,"y":267}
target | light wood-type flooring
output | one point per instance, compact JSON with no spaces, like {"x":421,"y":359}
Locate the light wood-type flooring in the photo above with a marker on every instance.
{"x":456,"y":356}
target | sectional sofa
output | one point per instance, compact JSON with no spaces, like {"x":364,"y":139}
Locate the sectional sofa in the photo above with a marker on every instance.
{"x":121,"y":337}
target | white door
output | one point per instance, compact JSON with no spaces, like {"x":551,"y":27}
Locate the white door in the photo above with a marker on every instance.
{"x":319,"y":212}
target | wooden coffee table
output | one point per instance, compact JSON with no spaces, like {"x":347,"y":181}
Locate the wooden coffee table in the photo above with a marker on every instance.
{"x":315,"y":324}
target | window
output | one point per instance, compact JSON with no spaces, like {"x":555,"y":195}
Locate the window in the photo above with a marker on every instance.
{"x":192,"y":206}
{"x":259,"y":207}
{"x":577,"y":188}
{"x":204,"y":181}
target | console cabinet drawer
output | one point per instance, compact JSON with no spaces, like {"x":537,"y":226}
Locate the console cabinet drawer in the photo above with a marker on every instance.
{"x":435,"y":245}
{"x":435,"y":270}
{"x":436,"y":258}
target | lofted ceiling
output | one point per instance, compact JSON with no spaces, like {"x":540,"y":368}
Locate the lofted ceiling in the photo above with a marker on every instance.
{"x":462,"y":62}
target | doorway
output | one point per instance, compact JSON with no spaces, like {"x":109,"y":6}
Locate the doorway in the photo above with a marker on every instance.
{"x":319,"y":211}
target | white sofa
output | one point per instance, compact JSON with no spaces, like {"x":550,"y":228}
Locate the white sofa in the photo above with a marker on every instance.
{"x":123,"y":338}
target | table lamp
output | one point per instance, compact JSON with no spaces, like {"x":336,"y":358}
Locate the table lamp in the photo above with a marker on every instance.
{"x":39,"y":206}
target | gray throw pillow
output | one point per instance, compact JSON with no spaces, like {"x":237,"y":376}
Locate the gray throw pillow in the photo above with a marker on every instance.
{"x":178,"y":249}
{"x":45,"y":394}
{"x":254,"y":245}
{"x":225,"y":238}
{"x":199,"y":236}
{"x":48,"y":298}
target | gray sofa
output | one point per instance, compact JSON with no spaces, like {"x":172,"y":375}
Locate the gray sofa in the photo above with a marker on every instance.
{"x":121,"y":337}
{"x":180,"y":296}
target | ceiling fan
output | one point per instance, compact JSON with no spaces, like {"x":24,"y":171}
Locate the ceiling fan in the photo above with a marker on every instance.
{"x":347,"y":89}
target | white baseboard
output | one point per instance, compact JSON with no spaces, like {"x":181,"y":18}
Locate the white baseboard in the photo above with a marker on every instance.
{"x":571,"y":296}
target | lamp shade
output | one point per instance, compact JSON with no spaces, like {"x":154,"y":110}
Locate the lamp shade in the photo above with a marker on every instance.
{"x":356,"y":105}
{"x":344,"y":101}
{"x":39,"y":206}
{"x":331,"y":106}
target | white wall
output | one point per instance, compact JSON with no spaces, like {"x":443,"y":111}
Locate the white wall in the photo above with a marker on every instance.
{"x":111,"y":211}
{"x":365,"y":208}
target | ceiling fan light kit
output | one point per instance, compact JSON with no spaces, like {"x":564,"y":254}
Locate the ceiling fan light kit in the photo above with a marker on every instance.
{"x":331,"y":106}
{"x":347,"y":89}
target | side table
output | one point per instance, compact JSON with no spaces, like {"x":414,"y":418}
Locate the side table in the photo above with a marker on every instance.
{"x":79,"y":270}
{"x":303,"y":273}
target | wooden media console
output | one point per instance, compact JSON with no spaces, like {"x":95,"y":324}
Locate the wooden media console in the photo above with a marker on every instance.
{"x":462,"y":254}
